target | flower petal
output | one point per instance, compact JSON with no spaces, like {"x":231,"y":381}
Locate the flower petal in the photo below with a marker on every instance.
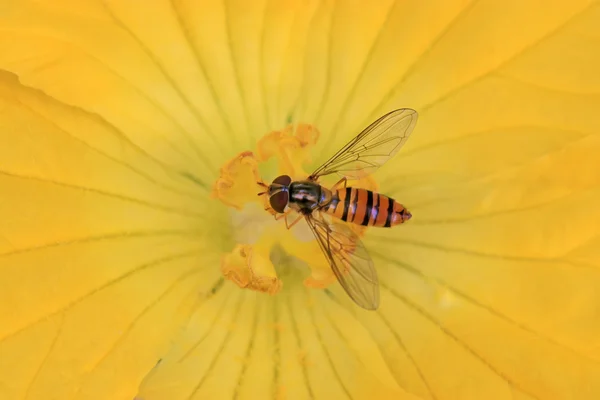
{"x":99,"y":252}
{"x":135,"y":77}
{"x":247,"y":346}
{"x":498,"y":267}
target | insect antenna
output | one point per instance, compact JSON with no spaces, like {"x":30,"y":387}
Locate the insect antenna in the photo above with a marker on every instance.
{"x":263,"y":185}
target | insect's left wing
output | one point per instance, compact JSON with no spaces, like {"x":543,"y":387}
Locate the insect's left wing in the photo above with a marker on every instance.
{"x":376,"y":144}
{"x":348,"y":259}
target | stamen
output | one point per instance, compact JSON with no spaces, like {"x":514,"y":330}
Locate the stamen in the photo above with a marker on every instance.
{"x":249,"y":265}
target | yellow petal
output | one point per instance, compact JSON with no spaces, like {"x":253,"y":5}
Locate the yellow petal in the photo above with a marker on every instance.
{"x":242,"y":345}
{"x":100,"y":248}
{"x":498,"y":266}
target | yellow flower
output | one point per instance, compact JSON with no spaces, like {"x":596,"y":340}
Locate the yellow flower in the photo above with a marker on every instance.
{"x":117,"y":120}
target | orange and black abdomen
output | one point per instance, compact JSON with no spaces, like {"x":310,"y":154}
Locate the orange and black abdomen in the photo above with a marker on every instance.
{"x":364,"y":207}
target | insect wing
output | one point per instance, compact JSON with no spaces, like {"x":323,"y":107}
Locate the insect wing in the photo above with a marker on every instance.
{"x":348,"y":258}
{"x":375,"y":145}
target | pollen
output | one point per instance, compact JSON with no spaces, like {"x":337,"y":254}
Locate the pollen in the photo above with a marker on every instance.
{"x":236,"y":184}
{"x":257,"y":233}
{"x":248,"y":268}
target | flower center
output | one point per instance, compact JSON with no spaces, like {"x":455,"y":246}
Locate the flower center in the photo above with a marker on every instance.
{"x":262,"y":241}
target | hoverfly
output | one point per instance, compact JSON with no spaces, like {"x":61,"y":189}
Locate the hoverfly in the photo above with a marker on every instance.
{"x":322,"y":208}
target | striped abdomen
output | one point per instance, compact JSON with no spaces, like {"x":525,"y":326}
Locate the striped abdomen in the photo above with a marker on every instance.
{"x":364,"y":207}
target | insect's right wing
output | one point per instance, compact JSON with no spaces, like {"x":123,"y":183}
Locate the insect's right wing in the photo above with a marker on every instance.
{"x":375,"y":145}
{"x":348,"y":259}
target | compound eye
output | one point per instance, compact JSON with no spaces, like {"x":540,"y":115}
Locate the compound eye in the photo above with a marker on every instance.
{"x":284,"y":180}
{"x":279,"y":201}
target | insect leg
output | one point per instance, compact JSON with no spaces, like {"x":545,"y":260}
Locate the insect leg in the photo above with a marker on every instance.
{"x":289,"y":226}
{"x":285,"y":214}
{"x":271,"y":211}
{"x":344,"y":180}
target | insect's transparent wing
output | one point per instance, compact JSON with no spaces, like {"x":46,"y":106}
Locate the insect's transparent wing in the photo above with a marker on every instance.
{"x":348,"y":258}
{"x":372,"y":147}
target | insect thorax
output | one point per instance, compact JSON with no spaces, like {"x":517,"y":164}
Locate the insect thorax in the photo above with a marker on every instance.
{"x":308,"y":195}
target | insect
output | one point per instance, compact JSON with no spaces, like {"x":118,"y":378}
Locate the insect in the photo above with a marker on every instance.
{"x":323,"y":208}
